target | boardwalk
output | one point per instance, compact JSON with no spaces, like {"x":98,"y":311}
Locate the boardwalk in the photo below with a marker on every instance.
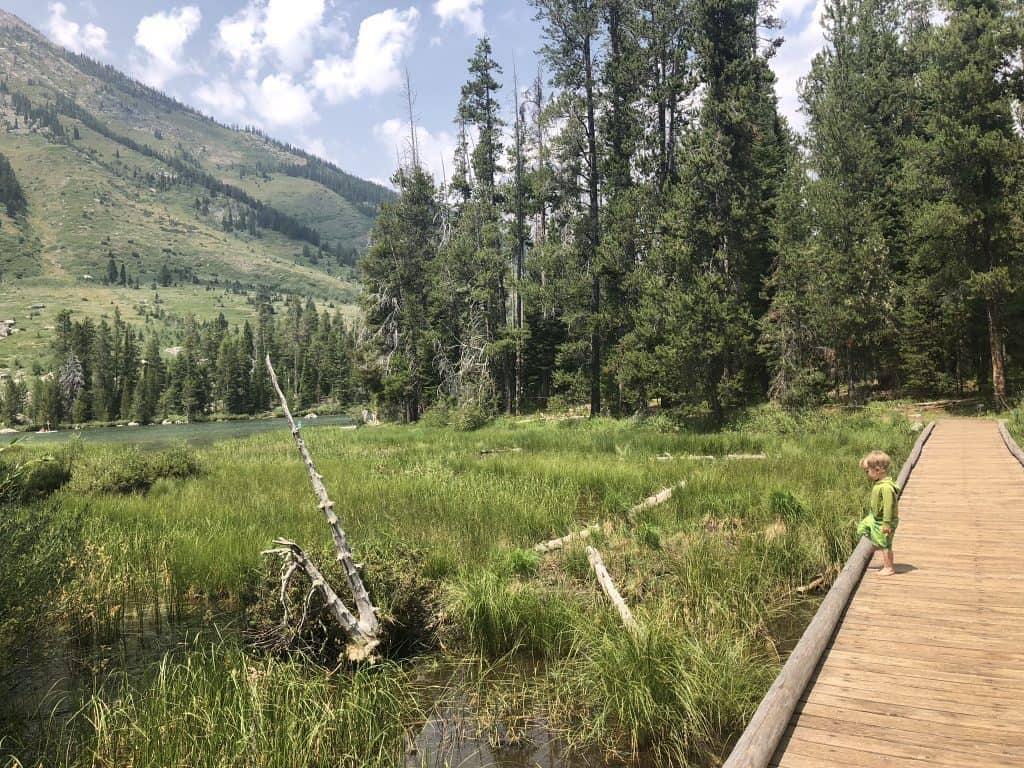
{"x":927,"y":667}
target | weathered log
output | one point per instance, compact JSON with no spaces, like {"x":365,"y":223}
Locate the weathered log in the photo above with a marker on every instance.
{"x":489,"y":451}
{"x":608,"y":587}
{"x":1011,"y":444}
{"x":761,"y":737}
{"x":550,"y":546}
{"x":365,"y":633}
{"x":811,"y":585}
{"x":659,"y":498}
{"x":652,"y":501}
{"x":709,"y":457}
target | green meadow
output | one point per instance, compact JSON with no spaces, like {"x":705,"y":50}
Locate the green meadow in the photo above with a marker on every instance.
{"x":148,"y":566}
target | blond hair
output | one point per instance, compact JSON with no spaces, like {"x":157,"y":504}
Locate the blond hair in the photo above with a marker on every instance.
{"x":876,"y":460}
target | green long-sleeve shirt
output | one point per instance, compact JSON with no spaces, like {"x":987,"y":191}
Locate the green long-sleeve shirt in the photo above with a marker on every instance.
{"x":885,"y":505}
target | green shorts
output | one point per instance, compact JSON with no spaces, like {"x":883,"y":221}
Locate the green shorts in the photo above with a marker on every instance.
{"x":872,"y":528}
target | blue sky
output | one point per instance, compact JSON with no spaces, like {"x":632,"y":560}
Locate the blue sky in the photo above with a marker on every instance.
{"x":327,"y":74}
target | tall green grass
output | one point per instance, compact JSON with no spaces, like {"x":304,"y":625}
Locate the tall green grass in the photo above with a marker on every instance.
{"x":220,"y":706}
{"x":710,"y":575}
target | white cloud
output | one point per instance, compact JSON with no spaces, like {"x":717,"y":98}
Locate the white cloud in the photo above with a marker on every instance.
{"x":222,"y":98}
{"x":239,"y":36}
{"x":70,"y":34}
{"x":469,"y":13}
{"x":375,"y":65}
{"x":163,"y":36}
{"x":435,"y":149}
{"x":793,"y":60}
{"x":286,"y":29}
{"x":290,"y":27}
{"x":281,"y":102}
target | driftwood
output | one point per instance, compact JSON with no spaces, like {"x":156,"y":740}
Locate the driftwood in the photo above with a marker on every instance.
{"x":709,"y":457}
{"x":364,"y":632}
{"x":550,"y":546}
{"x":652,"y":501}
{"x":608,"y":586}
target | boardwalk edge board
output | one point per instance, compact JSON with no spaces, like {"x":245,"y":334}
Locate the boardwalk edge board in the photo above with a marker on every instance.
{"x":758,"y":742}
{"x":1011,"y":444}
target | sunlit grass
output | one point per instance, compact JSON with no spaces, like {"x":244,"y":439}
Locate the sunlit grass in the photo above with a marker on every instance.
{"x":710,"y":575}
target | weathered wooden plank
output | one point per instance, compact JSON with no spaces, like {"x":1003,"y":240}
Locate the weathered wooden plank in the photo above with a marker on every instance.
{"x":1009,"y":734}
{"x":955,"y":738}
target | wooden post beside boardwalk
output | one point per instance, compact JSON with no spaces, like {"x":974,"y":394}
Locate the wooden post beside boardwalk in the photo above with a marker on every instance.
{"x":925,"y":667}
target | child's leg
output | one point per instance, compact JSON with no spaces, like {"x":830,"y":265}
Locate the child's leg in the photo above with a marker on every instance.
{"x":871,"y":562}
{"x":888,"y":563}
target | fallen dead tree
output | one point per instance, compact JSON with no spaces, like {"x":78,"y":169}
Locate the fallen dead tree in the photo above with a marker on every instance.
{"x":709,"y":457}
{"x":608,"y":587}
{"x":651,"y":501}
{"x":550,"y":546}
{"x":363,"y":632}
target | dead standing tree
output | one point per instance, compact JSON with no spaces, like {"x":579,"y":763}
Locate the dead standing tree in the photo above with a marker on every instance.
{"x":364,"y":632}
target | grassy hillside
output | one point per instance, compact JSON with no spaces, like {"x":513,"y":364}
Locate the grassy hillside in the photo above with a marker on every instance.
{"x":114,"y":170}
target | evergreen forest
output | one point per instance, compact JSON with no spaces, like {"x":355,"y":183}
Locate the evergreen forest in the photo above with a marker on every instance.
{"x":645,"y":227}
{"x":112,"y":371}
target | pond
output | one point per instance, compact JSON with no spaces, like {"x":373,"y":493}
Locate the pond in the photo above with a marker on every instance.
{"x":196,"y":434}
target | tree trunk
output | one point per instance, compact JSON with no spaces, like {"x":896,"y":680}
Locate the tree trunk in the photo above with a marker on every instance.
{"x":997,"y":351}
{"x":594,"y":234}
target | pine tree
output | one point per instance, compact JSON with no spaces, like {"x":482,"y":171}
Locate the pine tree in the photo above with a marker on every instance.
{"x":570,"y":32}
{"x":964,"y":168}
{"x":478,"y":107}
{"x":396,"y":280}
{"x":103,"y":375}
{"x":150,"y":383}
{"x":835,"y":289}
{"x":699,"y":295}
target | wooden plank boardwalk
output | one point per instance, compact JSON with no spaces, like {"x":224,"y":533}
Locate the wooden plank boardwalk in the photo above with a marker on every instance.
{"x":927,"y":667}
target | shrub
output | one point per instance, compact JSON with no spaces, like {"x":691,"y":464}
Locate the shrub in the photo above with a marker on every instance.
{"x":470,"y":417}
{"x":133,"y":471}
{"x":438,"y":415}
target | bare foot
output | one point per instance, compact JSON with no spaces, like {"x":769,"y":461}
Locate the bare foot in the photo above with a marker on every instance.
{"x":886,"y":572}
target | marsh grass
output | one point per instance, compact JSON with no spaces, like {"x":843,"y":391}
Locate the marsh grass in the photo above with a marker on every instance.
{"x":217,"y":705}
{"x":710,"y":575}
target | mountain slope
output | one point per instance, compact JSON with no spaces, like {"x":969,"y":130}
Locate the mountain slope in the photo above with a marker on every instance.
{"x":118,"y":174}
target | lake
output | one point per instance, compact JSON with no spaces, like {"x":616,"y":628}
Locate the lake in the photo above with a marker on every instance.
{"x":196,"y":434}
